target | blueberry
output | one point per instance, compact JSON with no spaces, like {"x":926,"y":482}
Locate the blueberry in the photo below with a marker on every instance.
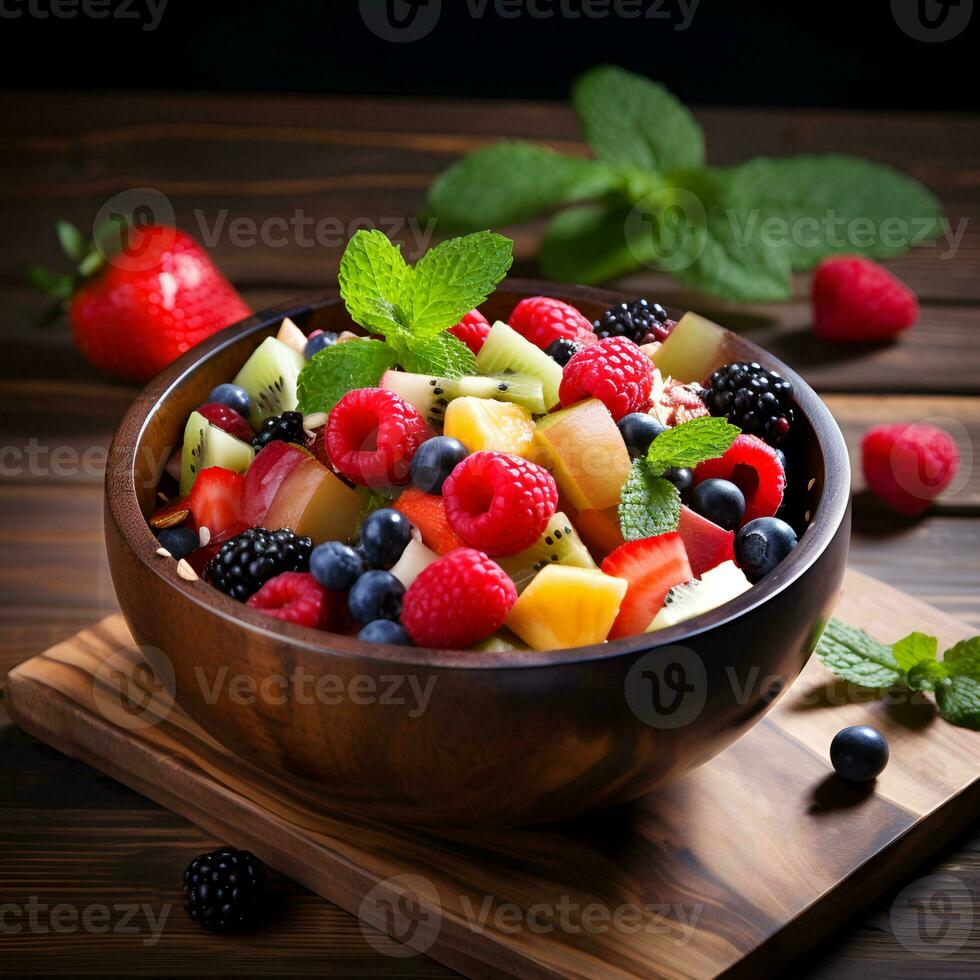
{"x":336,"y":566}
{"x":434,"y":461}
{"x":385,"y":631}
{"x":859,"y":753}
{"x":638,"y":431}
{"x":376,"y":595}
{"x":562,"y":350}
{"x":179,"y":541}
{"x":318,"y":342}
{"x":234,"y":396}
{"x":384,"y":536}
{"x":683,"y":479}
{"x":762,"y":544}
{"x":719,"y":501}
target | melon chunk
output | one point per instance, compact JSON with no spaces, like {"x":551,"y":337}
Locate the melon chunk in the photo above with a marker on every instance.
{"x":692,"y":351}
{"x":315,"y":503}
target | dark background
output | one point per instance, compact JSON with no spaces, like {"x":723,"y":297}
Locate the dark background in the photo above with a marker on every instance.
{"x":846,"y":53}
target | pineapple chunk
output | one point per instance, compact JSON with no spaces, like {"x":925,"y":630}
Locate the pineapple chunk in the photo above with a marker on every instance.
{"x":487,"y":424}
{"x":567,"y":607}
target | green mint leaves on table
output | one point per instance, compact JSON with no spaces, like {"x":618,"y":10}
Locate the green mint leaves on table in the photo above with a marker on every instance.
{"x":650,"y":504}
{"x":913,"y":661}
{"x":410,"y":307}
{"x":649,"y":198}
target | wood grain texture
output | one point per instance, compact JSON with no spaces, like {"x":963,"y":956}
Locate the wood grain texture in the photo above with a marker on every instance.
{"x":700,"y":907}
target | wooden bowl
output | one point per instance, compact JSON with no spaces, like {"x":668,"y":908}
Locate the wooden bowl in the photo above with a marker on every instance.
{"x":449,"y":738}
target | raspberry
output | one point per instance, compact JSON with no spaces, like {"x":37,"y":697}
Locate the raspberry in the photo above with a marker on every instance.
{"x":908,"y":466}
{"x":296,"y":597}
{"x":613,"y":370}
{"x":754,"y":467}
{"x":543,"y":320}
{"x":499,"y":503}
{"x":856,"y":300}
{"x":457,"y":601}
{"x":372,"y":435}
{"x":472,"y":330}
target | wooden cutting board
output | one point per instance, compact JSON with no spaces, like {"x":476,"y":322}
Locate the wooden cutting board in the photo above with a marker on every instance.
{"x":735,"y":869}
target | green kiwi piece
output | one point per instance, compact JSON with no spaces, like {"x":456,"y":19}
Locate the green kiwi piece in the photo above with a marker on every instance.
{"x":559,"y":545}
{"x":269,"y":376}
{"x":505,"y":350}
{"x":206,"y":445}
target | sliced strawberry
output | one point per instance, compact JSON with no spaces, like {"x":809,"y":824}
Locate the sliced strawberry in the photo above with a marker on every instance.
{"x":652,"y":566}
{"x":755,"y":469}
{"x":217,"y":500}
{"x":427,"y":512}
{"x":228,"y":419}
{"x":266,"y":475}
{"x":706,"y":544}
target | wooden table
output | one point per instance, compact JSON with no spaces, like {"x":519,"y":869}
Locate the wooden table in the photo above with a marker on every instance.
{"x":70,"y":835}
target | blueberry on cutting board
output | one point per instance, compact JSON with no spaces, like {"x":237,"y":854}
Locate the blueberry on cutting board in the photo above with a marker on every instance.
{"x":859,"y":753}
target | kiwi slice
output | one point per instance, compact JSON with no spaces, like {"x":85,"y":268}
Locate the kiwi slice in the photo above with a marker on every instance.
{"x":269,"y":376}
{"x":521,"y":389}
{"x":503,"y":641}
{"x":206,"y":445}
{"x":505,"y":350}
{"x":559,"y":545}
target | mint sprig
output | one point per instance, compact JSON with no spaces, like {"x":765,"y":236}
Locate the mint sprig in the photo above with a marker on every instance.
{"x":336,"y":370}
{"x":648,"y":198}
{"x":912,"y":661}
{"x":649,"y":504}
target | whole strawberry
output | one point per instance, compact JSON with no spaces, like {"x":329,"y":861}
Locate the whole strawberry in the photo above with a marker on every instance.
{"x":136,"y":308}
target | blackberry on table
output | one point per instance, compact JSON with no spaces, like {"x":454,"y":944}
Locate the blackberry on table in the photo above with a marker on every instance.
{"x":223,"y":890}
{"x":641,"y":321}
{"x":758,"y":401}
{"x":246,"y":562}
{"x":287,"y":427}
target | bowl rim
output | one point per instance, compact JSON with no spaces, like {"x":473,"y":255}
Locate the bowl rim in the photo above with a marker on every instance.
{"x":123,"y":508}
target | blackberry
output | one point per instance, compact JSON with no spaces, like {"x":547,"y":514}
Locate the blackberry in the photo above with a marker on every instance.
{"x":246,"y":562}
{"x":287,"y":427}
{"x":562,"y":350}
{"x":756,"y":400}
{"x":641,"y":321}
{"x":223,"y":890}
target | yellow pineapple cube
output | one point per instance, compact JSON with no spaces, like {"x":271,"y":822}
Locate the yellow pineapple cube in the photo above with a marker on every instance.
{"x":486,"y":424}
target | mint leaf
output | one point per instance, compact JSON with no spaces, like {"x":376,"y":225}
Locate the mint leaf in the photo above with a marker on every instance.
{"x":455,"y":277}
{"x":829,"y":204}
{"x":442,"y":356}
{"x":648,"y":504}
{"x":963,"y":659}
{"x":691,"y":443}
{"x":857,"y":657}
{"x":339,"y":369}
{"x":376,"y":283}
{"x":958,"y":700}
{"x":510,"y":182}
{"x":914,"y":650}
{"x":71,"y":240}
{"x":632,"y":122}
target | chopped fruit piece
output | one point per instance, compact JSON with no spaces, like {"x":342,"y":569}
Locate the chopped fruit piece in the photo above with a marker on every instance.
{"x":586,"y":453}
{"x":297,"y":597}
{"x":558,"y":545}
{"x":472,"y":330}
{"x":503,"y":641}
{"x":567,"y":607}
{"x":482,"y":423}
{"x":713,"y":589}
{"x":244,"y":562}
{"x":499,"y":503}
{"x":762,"y":544}
{"x":206,"y":445}
{"x":216,"y":502}
{"x":652,"y":566}
{"x":234,"y":396}
{"x":269,"y":376}
{"x":318,"y":447}
{"x":692,"y":351}
{"x":314,"y":502}
{"x":613,"y":370}
{"x":758,"y":401}
{"x":201,"y":560}
{"x":673,"y":402}
{"x":908,"y":466}
{"x":227,"y":419}
{"x":434,"y":461}
{"x":600,"y":530}
{"x":706,"y":544}
{"x":415,"y":559}
{"x":319,"y":340}
{"x":428,"y":513}
{"x":385,"y":535}
{"x":457,"y":601}
{"x":637,"y":321}
{"x":265,"y":476}
{"x":755,"y":469}
{"x":287,"y":427}
{"x":292,"y":336}
{"x":372,"y":436}
{"x":858,"y":301}
{"x":543,"y":320}
{"x":507,"y":352}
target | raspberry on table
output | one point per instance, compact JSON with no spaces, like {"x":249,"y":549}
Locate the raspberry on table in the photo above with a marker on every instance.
{"x":908,"y":466}
{"x":244,"y":563}
{"x":372,"y":435}
{"x":458,"y":600}
{"x":543,"y":320}
{"x":613,"y":370}
{"x":472,"y":330}
{"x":499,"y":503}
{"x":641,"y":321}
{"x":296,"y":597}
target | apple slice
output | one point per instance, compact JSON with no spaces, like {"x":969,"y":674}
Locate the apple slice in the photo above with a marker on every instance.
{"x":706,"y":544}
{"x":265,"y":476}
{"x":692,"y":351}
{"x":314,"y":503}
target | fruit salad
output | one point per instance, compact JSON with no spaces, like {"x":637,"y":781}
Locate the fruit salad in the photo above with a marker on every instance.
{"x":435,"y":479}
